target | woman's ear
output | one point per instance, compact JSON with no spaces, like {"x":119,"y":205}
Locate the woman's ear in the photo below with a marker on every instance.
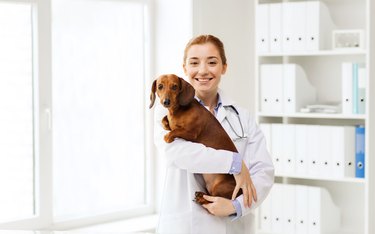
{"x":224,"y":69}
{"x":187,"y":93}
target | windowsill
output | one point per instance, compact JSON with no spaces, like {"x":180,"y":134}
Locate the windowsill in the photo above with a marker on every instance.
{"x":142,"y":224}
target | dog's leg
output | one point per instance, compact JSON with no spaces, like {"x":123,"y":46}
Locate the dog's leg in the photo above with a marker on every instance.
{"x":165,"y":123}
{"x":181,"y":133}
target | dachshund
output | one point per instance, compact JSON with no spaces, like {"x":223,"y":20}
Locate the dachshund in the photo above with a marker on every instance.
{"x":189,"y":120}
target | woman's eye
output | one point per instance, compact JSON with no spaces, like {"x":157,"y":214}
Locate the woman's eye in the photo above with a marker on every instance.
{"x":193,"y":63}
{"x":160,"y":87}
{"x":212,"y":62}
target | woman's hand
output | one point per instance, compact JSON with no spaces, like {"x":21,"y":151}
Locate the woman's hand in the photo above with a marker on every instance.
{"x":244,"y":182}
{"x":219,"y":206}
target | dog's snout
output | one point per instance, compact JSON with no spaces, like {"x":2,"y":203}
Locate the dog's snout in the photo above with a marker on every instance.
{"x":166,"y":102}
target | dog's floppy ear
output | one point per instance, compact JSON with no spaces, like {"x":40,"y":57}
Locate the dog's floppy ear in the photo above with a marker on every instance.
{"x":187,"y":93}
{"x":152,"y":95}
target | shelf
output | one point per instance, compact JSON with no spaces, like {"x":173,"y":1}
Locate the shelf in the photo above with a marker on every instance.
{"x":338,"y":52}
{"x":345,"y":180}
{"x":314,"y":116}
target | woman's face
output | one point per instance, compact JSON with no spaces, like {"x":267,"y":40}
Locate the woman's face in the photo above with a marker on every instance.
{"x":204,"y":68}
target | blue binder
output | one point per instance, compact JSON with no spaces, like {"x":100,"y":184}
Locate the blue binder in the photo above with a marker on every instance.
{"x":360,"y":152}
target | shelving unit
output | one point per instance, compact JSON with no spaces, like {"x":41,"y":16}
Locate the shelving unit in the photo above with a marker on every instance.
{"x":354,"y":196}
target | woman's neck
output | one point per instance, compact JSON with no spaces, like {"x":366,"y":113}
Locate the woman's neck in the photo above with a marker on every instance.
{"x":209,"y":100}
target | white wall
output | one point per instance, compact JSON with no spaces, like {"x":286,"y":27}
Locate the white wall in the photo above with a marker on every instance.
{"x":233,"y":23}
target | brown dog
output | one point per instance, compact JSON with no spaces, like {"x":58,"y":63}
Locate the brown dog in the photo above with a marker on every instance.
{"x":189,"y":120}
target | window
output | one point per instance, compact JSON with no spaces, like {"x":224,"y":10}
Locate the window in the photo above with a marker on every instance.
{"x":73,"y":138}
{"x":98,"y":106}
{"x":16,"y":112}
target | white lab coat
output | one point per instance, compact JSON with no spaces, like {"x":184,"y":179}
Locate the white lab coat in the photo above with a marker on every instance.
{"x":185,"y":160}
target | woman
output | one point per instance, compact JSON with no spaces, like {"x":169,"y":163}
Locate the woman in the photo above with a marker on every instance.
{"x":204,"y":63}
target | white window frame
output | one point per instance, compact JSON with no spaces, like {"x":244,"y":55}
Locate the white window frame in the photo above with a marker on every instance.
{"x":43,"y":180}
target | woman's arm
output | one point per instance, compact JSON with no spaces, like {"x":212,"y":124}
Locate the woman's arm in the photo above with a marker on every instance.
{"x":193,"y":157}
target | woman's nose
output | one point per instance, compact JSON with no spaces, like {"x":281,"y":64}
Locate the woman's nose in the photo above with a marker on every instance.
{"x":203,"y":69}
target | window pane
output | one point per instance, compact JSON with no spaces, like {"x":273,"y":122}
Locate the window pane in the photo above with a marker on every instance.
{"x":16,"y":112}
{"x":98,"y":100}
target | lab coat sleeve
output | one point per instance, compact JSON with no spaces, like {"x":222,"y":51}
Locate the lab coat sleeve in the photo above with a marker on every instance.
{"x":190,"y":156}
{"x":260,"y":166}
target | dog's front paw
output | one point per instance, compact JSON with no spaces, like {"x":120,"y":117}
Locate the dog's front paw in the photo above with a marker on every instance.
{"x":199,"y":198}
{"x":168,"y":138}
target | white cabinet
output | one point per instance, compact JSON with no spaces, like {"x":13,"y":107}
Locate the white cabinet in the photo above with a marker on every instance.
{"x":300,"y":33}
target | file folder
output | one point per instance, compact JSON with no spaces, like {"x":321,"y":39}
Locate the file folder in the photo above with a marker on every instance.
{"x":343,"y":151}
{"x":262,"y":26}
{"x":275,"y":22}
{"x":266,"y":129}
{"x":355,"y":88}
{"x":313,"y":165}
{"x":289,"y":208}
{"x":347,"y":88}
{"x":271,"y":88}
{"x":277,"y":208}
{"x":302,"y":201}
{"x":265,"y":214}
{"x":360,"y":151}
{"x":288,"y":148}
{"x":277,"y":135}
{"x":325,"y":155}
{"x":361,"y":100}
{"x":319,"y":26}
{"x":298,"y":91}
{"x":294,"y":26}
{"x":301,"y":150}
{"x":323,"y":215}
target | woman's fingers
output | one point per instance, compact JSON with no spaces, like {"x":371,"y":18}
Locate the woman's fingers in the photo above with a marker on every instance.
{"x":236,"y":190}
{"x":246,"y":194}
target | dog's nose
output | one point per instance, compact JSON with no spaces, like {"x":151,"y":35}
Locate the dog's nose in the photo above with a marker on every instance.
{"x":166,"y":102}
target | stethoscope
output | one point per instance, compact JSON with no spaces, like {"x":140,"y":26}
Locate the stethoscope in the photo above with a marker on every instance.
{"x":238,"y":136}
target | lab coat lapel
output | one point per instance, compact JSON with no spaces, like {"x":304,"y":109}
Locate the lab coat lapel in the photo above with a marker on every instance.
{"x":222,"y":113}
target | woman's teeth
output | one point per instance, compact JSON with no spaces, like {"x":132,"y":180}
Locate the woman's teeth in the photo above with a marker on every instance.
{"x":203,"y":79}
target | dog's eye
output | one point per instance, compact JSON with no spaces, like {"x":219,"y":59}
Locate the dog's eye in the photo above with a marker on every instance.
{"x":160,"y":86}
{"x":174,"y":87}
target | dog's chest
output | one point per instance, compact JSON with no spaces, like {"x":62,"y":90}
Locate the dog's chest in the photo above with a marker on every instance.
{"x":183,"y":119}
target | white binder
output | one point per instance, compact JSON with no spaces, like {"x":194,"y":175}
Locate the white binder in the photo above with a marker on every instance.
{"x":277,"y":135}
{"x":323,"y":215}
{"x":294,"y":26}
{"x":343,"y":151}
{"x":262,"y":26}
{"x":301,"y":150}
{"x":288,"y":147}
{"x":275,"y":10}
{"x":319,"y":26}
{"x":361,"y":90}
{"x":271,"y":88}
{"x":265,"y":214}
{"x":313,"y":165}
{"x":266,"y":129}
{"x":277,"y":213}
{"x":325,"y":154}
{"x":302,"y":201}
{"x":289,"y":208}
{"x":347,"y":88}
{"x":298,"y":92}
